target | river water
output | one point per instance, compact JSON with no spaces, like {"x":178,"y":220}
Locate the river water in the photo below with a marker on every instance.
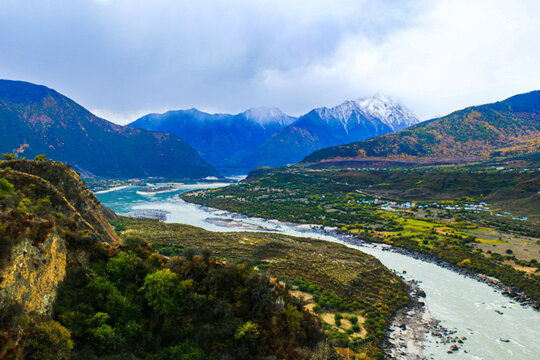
{"x":470,"y":308}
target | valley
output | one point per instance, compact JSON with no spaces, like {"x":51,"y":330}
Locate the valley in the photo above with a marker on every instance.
{"x":445,"y":311}
{"x":455,"y":231}
{"x":262,"y":180}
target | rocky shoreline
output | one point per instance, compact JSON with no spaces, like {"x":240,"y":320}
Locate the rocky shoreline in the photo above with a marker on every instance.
{"x":406,"y":335}
{"x":155,"y":214}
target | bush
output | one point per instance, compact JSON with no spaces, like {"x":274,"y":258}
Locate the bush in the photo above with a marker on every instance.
{"x":248,"y":330}
{"x":206,"y":254}
{"x":131,"y":242}
{"x":187,"y":350}
{"x":49,"y":340}
{"x":8,"y":156}
{"x":353,"y":319}
{"x":189,"y":253}
{"x":6,"y":187}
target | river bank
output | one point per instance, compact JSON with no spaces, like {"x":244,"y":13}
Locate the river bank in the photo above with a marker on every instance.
{"x":461,"y":303}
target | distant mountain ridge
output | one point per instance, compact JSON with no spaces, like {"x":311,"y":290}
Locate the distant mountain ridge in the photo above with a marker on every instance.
{"x":322,"y":127}
{"x":37,"y":120}
{"x":221,"y":139}
{"x":269,"y":137}
{"x":506,"y":128}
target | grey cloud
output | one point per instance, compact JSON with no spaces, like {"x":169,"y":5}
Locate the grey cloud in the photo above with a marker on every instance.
{"x":126,"y":56}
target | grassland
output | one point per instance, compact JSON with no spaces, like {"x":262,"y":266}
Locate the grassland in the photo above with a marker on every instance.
{"x":332,"y":278}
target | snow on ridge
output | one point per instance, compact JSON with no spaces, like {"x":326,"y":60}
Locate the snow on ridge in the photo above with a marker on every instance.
{"x":379,"y":107}
{"x":264,"y":115}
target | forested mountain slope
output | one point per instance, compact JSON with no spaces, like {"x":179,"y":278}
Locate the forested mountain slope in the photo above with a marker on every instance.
{"x":37,"y":120}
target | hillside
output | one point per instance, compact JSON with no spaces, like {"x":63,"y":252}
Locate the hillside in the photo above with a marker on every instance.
{"x":331,"y":278}
{"x":37,"y":120}
{"x":222,"y":139}
{"x":350,"y":121}
{"x":42,"y":232}
{"x":70,"y":289}
{"x":506,"y":128}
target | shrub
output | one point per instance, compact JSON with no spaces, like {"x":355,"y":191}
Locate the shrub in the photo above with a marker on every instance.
{"x":6,"y":187}
{"x":187,"y":350}
{"x":206,"y":254}
{"x":189,"y":253}
{"x":49,"y":340}
{"x":8,"y":156}
{"x":353,"y":319}
{"x":130,"y":242}
{"x":248,"y":330}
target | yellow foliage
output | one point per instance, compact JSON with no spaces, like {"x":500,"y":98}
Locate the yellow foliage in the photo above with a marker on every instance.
{"x":464,"y":262}
{"x":49,"y":340}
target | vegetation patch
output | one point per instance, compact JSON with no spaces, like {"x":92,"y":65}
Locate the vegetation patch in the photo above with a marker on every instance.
{"x":327,"y":277}
{"x":446,"y":229}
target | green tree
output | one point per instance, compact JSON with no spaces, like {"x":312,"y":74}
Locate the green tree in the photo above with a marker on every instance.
{"x":159,"y":288}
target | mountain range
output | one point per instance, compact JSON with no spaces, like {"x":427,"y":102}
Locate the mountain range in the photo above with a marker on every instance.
{"x":322,"y":127}
{"x":222,"y":139}
{"x":37,"y":120}
{"x":502,"y":129}
{"x":269,"y":137}
{"x":187,"y":144}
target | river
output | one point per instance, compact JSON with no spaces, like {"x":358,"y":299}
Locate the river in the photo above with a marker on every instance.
{"x":495,"y":326}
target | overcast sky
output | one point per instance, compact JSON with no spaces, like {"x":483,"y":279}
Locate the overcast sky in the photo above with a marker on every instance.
{"x":124,"y":58}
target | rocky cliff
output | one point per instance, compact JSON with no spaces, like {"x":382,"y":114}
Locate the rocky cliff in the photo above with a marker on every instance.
{"x":42,"y":232}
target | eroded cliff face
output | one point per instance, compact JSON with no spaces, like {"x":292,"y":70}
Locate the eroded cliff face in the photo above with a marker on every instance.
{"x":34,"y":273}
{"x":38,"y":244}
{"x":49,"y":224}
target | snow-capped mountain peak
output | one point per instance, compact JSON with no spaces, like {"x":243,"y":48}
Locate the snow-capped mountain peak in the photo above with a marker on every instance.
{"x":388,"y":110}
{"x":380,"y":107}
{"x":264,"y":115}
